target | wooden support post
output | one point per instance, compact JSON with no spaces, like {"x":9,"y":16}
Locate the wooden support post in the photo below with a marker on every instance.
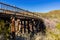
{"x":35,"y":26}
{"x":36,"y":23}
{"x":13,"y":25}
{"x":17,"y":26}
{"x":21,"y":27}
{"x":24,"y":26}
{"x":28,"y":27}
{"x":39,"y":26}
{"x":13,"y":28}
{"x":32,"y":27}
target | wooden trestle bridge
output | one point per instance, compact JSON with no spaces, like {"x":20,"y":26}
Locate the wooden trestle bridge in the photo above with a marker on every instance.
{"x":21,"y":20}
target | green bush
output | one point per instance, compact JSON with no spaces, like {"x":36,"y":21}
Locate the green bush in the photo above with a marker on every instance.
{"x":4,"y":29}
{"x":58,"y":26}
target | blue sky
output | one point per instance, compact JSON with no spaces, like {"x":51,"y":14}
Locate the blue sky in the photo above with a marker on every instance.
{"x":35,"y":5}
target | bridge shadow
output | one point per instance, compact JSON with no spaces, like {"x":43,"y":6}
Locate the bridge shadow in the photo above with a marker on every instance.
{"x":20,"y":38}
{"x":40,"y":27}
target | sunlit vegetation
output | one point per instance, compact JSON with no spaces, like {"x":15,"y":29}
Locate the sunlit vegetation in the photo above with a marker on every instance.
{"x":52,"y":35}
{"x":58,"y":26}
{"x":4,"y":30}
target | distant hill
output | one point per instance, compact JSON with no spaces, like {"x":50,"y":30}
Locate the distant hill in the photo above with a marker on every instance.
{"x":51,"y":14}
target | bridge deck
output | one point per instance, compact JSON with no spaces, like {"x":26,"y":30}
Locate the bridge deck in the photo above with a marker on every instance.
{"x":19,"y":14}
{"x":8,"y":9}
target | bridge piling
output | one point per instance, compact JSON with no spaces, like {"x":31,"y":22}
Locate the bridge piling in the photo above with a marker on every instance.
{"x":12,"y":28}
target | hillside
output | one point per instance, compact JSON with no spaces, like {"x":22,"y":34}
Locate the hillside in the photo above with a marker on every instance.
{"x":52,"y":22}
{"x":51,"y":14}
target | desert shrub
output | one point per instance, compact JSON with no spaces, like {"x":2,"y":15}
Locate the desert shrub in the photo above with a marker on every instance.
{"x":4,"y":30}
{"x":58,"y":26}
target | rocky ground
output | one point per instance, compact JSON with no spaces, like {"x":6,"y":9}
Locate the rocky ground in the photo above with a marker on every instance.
{"x":52,"y":29}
